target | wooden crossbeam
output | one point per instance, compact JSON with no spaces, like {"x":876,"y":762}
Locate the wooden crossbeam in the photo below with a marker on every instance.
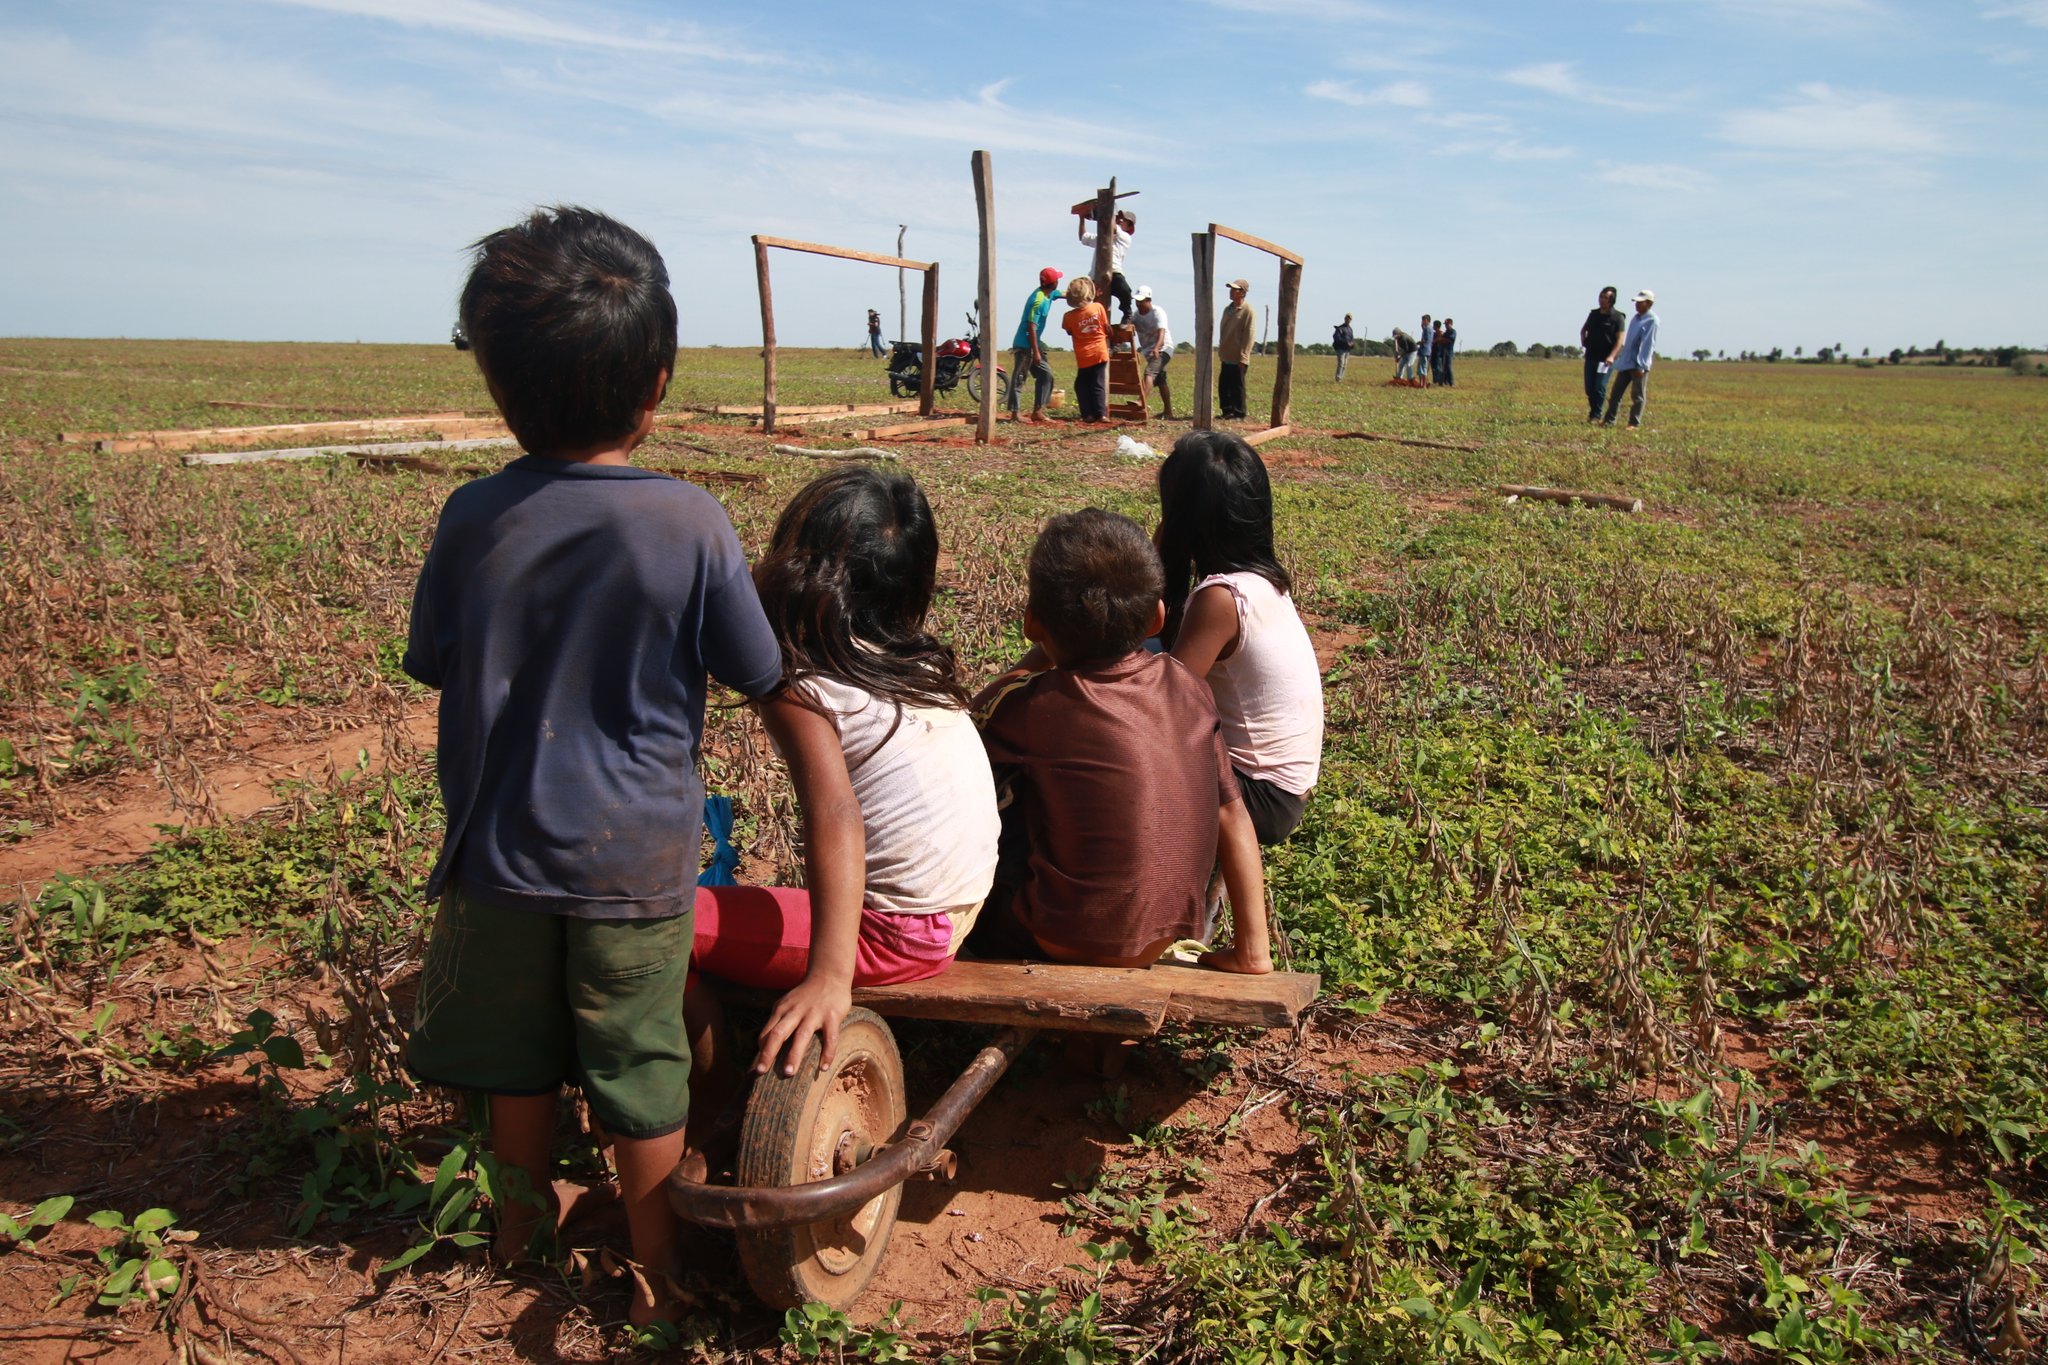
{"x":1257,"y":243}
{"x":844,"y":253}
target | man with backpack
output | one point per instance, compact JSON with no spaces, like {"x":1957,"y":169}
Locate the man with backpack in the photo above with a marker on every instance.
{"x":1340,"y":342}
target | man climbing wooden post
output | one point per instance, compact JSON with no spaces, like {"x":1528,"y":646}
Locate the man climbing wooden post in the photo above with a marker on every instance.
{"x":1111,"y":238}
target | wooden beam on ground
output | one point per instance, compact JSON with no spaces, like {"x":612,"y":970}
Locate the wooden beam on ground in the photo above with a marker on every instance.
{"x":1620,"y":502}
{"x":185,"y":438}
{"x":1260,"y":243}
{"x":843,"y":253}
{"x":808,"y":419}
{"x":928,"y":329}
{"x":1205,"y":330}
{"x":467,"y":428}
{"x":983,"y":167}
{"x":1259,"y":438}
{"x":1283,"y":365}
{"x":1122,"y":1001}
{"x":385,"y":450}
{"x":761,"y":245}
{"x":781,"y":410}
{"x":910,"y":428}
{"x":1404,"y":440}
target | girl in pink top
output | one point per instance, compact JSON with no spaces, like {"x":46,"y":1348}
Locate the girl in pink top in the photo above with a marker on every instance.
{"x":1231,"y":619}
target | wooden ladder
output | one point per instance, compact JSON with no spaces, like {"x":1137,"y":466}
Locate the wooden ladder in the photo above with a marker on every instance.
{"x":1130,"y":397}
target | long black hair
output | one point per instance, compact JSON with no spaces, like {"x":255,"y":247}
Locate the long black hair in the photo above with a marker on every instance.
{"x":1215,"y":516}
{"x":847,"y":582}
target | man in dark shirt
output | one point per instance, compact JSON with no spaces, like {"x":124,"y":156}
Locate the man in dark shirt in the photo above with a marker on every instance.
{"x":1341,"y":338}
{"x":569,"y":610}
{"x":1600,"y":337}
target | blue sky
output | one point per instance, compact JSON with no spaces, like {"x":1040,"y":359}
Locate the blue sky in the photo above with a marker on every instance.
{"x":1782,"y":172}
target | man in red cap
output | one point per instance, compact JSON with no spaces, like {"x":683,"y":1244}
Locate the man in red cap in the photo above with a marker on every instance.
{"x":1028,"y":349}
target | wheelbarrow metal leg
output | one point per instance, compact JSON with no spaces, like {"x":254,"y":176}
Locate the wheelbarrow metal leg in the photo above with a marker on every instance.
{"x":922,"y":1149}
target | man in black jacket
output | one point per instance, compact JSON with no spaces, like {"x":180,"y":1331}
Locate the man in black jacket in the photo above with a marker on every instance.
{"x":1600,"y":336}
{"x":1340,"y":342}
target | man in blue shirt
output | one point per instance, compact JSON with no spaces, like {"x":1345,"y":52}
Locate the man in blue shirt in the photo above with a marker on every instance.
{"x":1027,"y":348}
{"x":1632,"y":362}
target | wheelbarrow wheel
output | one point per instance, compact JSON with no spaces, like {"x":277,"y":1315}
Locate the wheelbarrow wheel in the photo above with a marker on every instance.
{"x":810,"y":1127}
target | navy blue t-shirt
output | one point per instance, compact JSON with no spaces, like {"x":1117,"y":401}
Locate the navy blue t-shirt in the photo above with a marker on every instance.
{"x":569,"y":613}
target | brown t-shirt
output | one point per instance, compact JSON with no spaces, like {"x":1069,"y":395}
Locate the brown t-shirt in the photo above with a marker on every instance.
{"x":1119,"y":770}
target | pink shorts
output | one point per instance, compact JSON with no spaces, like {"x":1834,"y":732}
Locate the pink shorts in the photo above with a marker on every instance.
{"x":761,"y":936}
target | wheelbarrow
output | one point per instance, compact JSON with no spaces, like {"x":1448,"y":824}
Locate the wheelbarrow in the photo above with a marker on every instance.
{"x":823,"y":1157}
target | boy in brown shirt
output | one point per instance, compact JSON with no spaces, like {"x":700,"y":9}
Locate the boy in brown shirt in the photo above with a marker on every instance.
{"x":1116,"y":788}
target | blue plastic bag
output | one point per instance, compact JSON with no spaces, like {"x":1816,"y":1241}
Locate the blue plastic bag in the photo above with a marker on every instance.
{"x":725,"y":859}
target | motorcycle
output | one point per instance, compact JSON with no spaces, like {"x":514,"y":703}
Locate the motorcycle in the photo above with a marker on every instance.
{"x":957,"y":358}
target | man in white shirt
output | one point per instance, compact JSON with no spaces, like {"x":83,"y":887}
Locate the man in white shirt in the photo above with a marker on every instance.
{"x":1632,"y":362}
{"x":1155,"y":344}
{"x":1119,"y":243}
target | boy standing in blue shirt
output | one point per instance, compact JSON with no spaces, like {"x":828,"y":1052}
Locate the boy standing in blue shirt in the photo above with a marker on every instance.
{"x":569,"y":610}
{"x":1027,"y":348}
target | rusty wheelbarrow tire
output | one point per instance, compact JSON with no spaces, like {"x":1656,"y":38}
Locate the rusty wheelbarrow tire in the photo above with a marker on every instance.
{"x":810,"y":1127}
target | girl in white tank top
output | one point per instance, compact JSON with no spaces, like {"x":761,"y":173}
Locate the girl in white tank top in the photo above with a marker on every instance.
{"x":1232,"y":621}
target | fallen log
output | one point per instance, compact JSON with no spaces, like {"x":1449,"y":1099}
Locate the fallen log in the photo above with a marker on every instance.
{"x":1471,"y":446}
{"x":383,"y":452}
{"x":1619,"y":502}
{"x":856,"y":453}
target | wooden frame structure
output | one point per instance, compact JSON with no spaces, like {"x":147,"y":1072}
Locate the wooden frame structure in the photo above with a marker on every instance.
{"x":1289,"y":300}
{"x":929,"y":325}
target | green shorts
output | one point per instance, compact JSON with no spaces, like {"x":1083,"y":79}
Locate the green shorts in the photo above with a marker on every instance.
{"x":518,"y":1002}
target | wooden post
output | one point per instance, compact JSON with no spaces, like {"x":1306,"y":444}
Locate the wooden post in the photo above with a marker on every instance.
{"x":767,"y":336}
{"x":930,"y":332}
{"x":985,"y":294}
{"x":1105,"y":237}
{"x":1205,"y":330}
{"x":902,"y":304}
{"x":1283,"y":367}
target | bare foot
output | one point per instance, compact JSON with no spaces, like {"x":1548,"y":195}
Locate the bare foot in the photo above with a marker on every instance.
{"x":519,"y":1222}
{"x":655,"y":1299}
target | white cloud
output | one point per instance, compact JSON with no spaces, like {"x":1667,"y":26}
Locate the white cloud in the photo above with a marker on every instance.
{"x":1401,"y":94}
{"x":1662,"y":178}
{"x":2034,"y":12}
{"x":1554,"y":78}
{"x":1827,"y":121}
{"x":1562,"y":80}
{"x":2006,"y":54}
{"x":482,"y":18}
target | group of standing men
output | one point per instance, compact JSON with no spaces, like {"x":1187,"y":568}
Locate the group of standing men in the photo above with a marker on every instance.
{"x":1618,"y":356}
{"x":1425,"y":358}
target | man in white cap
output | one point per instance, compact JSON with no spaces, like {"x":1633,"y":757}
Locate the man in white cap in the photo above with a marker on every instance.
{"x":1234,"y":351}
{"x":1155,"y":344}
{"x":1632,"y":362}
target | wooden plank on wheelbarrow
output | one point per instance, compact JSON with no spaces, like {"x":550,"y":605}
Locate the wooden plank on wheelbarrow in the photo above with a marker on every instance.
{"x":1132,"y":1002}
{"x":1201,"y":996}
{"x":1029,"y":995}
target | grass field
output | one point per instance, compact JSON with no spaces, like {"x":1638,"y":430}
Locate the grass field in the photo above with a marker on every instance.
{"x":1679,"y":883}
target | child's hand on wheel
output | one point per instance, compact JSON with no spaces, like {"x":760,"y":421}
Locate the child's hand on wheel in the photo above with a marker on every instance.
{"x":813,"y":1006}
